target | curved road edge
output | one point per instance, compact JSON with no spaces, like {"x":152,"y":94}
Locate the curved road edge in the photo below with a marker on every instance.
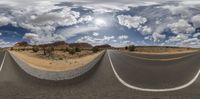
{"x":56,"y":76}
{"x":151,"y":90}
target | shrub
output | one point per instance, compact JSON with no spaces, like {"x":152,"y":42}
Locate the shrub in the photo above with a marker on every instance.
{"x":66,"y":49}
{"x":11,"y":48}
{"x":23,"y":49}
{"x":126,"y":48}
{"x":72,"y":51}
{"x":95,"y":49}
{"x":132,"y":48}
{"x":49,"y":51}
{"x":77,"y":49}
{"x":35,"y":49}
{"x":44,"y":51}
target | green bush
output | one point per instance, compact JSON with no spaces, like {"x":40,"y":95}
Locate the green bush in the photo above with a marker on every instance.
{"x":44,"y":51}
{"x":35,"y":49}
{"x":11,"y":48}
{"x":72,"y":51}
{"x":131,"y":48}
{"x":49,"y":51}
{"x":66,"y":49}
{"x":126,"y":48}
{"x":95,"y":49}
{"x":77,"y":49}
{"x":23,"y":49}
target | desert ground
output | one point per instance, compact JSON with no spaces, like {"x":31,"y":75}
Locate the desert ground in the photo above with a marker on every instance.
{"x":59,"y":62}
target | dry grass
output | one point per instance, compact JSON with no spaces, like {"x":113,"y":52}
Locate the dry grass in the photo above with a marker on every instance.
{"x":160,"y":50}
{"x":38,"y":61}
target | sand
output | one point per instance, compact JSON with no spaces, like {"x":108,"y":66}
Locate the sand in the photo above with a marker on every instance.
{"x":54,"y":65}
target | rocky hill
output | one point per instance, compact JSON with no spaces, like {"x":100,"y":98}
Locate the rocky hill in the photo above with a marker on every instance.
{"x":81,"y":45}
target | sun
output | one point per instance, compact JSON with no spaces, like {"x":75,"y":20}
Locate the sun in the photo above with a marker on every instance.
{"x":100,"y":22}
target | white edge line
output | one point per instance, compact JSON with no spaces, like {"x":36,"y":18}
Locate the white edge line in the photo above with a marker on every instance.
{"x":3,"y":62}
{"x":152,"y":90}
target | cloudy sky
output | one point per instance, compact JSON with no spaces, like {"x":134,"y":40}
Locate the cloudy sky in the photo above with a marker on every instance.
{"x":114,"y":22}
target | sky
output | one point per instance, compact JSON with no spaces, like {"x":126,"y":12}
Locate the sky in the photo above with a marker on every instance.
{"x":115,"y":22}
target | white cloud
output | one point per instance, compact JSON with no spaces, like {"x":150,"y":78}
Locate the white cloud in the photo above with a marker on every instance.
{"x":145,"y":30}
{"x":131,"y":21}
{"x":182,"y":26}
{"x":4,"y":43}
{"x":178,"y":10}
{"x":196,"y":35}
{"x":108,"y":38}
{"x":73,"y":31}
{"x":182,"y":40}
{"x":96,"y":41}
{"x":158,"y":36}
{"x":123,"y":37}
{"x":196,"y":20}
{"x":85,"y":19}
{"x":30,"y":36}
{"x":65,"y":17}
{"x":4,"y":20}
{"x":95,"y":34}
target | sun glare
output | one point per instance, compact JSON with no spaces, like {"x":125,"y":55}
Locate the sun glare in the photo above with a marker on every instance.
{"x":100,"y":22}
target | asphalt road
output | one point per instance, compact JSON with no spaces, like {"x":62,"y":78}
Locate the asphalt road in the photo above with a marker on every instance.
{"x":99,"y":83}
{"x":162,"y":56}
{"x":155,"y":74}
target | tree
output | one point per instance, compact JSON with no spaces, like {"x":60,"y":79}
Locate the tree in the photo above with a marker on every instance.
{"x":11,"y":48}
{"x":66,"y":49}
{"x":95,"y":49}
{"x":126,"y":48}
{"x":44,"y":51}
{"x":49,"y":51}
{"x":35,"y":49}
{"x":132,"y":48}
{"x":77,"y":49}
{"x":72,"y":51}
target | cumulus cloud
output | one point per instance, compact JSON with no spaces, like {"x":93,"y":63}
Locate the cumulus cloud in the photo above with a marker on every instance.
{"x":145,"y":30}
{"x":105,"y":40}
{"x":42,"y":22}
{"x":182,"y":26}
{"x":182,"y":40}
{"x":30,"y":36}
{"x":85,"y":19}
{"x":96,"y":41}
{"x":95,"y":34}
{"x":74,"y":31}
{"x":4,"y":20}
{"x":63,"y":18}
{"x":183,"y":11}
{"x":131,"y":21}
{"x":123,"y":37}
{"x":196,"y":35}
{"x":195,"y":21}
{"x":158,"y":36}
{"x":4,"y":43}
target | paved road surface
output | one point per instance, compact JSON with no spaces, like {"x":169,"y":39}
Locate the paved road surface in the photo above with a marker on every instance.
{"x":155,"y":74}
{"x":100,"y":83}
{"x":162,"y":56}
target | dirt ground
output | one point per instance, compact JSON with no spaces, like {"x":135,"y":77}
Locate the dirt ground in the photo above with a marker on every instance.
{"x":160,"y":50}
{"x":171,"y":52}
{"x":66,"y":63}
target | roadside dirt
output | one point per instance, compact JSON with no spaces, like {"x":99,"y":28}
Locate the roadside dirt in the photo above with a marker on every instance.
{"x":54,"y":65}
